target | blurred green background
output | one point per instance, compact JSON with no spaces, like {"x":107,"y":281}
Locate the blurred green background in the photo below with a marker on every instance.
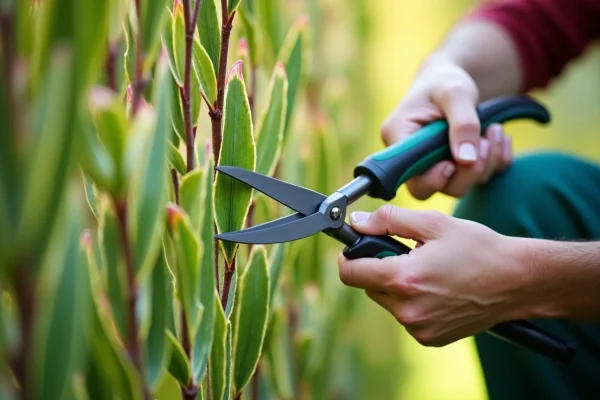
{"x":385,"y":41}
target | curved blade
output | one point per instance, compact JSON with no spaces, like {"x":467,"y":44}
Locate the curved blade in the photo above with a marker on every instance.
{"x":300,"y":199}
{"x":286,"y":232}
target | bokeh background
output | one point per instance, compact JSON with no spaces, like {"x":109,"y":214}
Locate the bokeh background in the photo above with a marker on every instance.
{"x":366,"y":55}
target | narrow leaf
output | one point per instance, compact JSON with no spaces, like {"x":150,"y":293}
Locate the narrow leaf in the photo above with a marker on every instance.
{"x":90,"y":194}
{"x":276,"y":262}
{"x":271,"y":124}
{"x":188,"y":253}
{"x":113,"y":265}
{"x":154,"y":15}
{"x":205,"y":71}
{"x":230,"y":303}
{"x":232,"y":5}
{"x":157,"y":346}
{"x":293,"y":56}
{"x":190,"y":197}
{"x":250,"y":31}
{"x":176,"y":159}
{"x":229,"y":361}
{"x":149,"y":186}
{"x":63,"y":301}
{"x":252,"y":317}
{"x":95,"y":159}
{"x":207,"y":281}
{"x":209,"y":30}
{"x":178,"y":42}
{"x":179,"y":367}
{"x":217,"y":366}
{"x":232,"y":198}
{"x":168,"y":38}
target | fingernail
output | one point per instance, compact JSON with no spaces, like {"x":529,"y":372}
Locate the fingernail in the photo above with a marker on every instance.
{"x":448,"y":170}
{"x":484,"y":149}
{"x":497,"y":132}
{"x":359,"y":216}
{"x":467,"y":152}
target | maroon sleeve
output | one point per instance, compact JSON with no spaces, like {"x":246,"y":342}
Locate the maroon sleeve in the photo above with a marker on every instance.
{"x":547,"y":33}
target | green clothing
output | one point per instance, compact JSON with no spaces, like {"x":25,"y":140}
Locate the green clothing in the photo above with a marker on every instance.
{"x":549,"y":196}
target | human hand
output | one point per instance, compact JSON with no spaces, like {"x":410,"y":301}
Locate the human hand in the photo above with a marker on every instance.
{"x":444,"y":90}
{"x":462,"y":278}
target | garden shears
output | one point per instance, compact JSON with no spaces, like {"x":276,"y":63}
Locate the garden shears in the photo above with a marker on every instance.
{"x":379,"y":176}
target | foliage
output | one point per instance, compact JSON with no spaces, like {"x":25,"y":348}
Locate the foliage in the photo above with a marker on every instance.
{"x":113,"y":116}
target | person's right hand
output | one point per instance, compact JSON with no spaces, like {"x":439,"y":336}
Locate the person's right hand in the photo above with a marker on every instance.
{"x":444,"y":90}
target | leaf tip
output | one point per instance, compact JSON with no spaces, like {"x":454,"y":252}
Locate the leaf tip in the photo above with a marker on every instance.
{"x":303,"y":22}
{"x":174,"y":215}
{"x":86,"y":239}
{"x":243,"y":47}
{"x":235,"y":71}
{"x":177,"y":7}
{"x":280,"y":69}
{"x":101,"y":97}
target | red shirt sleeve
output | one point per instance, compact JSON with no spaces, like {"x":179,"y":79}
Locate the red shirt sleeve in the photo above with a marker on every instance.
{"x":547,"y":33}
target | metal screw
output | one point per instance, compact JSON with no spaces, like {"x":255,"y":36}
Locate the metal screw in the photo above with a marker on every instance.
{"x":335,"y":213}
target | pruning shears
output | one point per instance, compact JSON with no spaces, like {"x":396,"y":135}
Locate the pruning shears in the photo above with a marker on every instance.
{"x":379,"y":176}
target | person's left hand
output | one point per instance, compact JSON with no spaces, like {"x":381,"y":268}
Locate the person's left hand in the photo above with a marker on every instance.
{"x":461,"y":279}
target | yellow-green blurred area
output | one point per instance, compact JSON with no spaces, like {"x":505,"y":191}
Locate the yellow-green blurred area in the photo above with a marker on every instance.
{"x":396,"y":35}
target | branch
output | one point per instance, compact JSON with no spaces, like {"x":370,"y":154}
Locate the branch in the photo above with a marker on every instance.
{"x":132,"y":343}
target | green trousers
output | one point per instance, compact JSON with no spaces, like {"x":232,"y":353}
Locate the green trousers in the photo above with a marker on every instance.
{"x":549,"y":196}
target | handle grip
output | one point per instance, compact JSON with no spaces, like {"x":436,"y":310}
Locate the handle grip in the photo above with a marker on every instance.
{"x":522,"y":333}
{"x":398,"y":163}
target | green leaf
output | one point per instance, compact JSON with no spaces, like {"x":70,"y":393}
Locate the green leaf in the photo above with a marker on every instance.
{"x":230,"y":303}
{"x":293,"y":56}
{"x":188,"y":254}
{"x":271,"y":124}
{"x":149,"y":185}
{"x":190,"y":197}
{"x":217,"y":365}
{"x":178,"y":42}
{"x":209,"y":30}
{"x":113,"y":265}
{"x":232,"y":5}
{"x":177,"y":111}
{"x":229,"y":361}
{"x":252,"y":317}
{"x":157,"y":346}
{"x":269,"y":25}
{"x":49,"y":156}
{"x":167,"y":38}
{"x":117,"y":17}
{"x":232,"y":198}
{"x":176,"y":159}
{"x":111,"y":124}
{"x":179,"y":366}
{"x":154,"y":15}
{"x":95,"y":160}
{"x":205,"y":71}
{"x":276,"y":262}
{"x":207,"y":282}
{"x":279,"y":363}
{"x":90,"y":193}
{"x":91,"y":35}
{"x":250,"y":30}
{"x":63,"y":304}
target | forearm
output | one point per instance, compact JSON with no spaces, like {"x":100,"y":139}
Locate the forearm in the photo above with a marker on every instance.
{"x":563,"y":279}
{"x":486,"y":52}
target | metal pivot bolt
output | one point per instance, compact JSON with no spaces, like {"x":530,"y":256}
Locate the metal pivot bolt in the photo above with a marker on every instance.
{"x":335,"y":213}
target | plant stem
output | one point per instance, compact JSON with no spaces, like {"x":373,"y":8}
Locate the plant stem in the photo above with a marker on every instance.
{"x":7,"y":18}
{"x":139,"y":83}
{"x":256,"y":383}
{"x":238,"y":396}
{"x":132,"y":342}
{"x":229,"y":270}
{"x":25,"y":292}
{"x":175,"y":180}
{"x":110,"y":65}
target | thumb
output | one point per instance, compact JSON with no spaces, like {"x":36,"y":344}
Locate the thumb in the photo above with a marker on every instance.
{"x":421,"y":226}
{"x":458,"y":104}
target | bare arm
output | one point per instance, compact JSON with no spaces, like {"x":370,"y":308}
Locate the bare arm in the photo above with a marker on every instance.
{"x":486,"y":52}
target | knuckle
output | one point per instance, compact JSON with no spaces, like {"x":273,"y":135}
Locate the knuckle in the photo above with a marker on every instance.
{"x":465,"y":127}
{"x":418,"y":188}
{"x":409,"y":318}
{"x":404,"y":284}
{"x":387,"y":212}
{"x":345,"y":273}
{"x":426,"y":337}
{"x":434,"y":220}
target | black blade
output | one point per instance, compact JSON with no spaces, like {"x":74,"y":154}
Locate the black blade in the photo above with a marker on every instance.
{"x":265,"y":234}
{"x":280,"y":221}
{"x":300,"y":199}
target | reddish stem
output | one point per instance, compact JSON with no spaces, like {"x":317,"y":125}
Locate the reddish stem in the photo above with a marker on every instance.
{"x":175,"y":180}
{"x":132,"y":342}
{"x":229,"y":270}
{"x":110,"y":65}
{"x":25,"y":296}
{"x":139,"y":83}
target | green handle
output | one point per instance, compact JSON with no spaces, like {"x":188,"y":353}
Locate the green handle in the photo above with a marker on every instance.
{"x":390,"y":168}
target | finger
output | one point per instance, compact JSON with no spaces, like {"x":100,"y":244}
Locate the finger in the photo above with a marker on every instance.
{"x":495,"y":137}
{"x":465,"y":178}
{"x":458,"y":103}
{"x":368,"y":273}
{"x":432,"y":181}
{"x":384,"y":300}
{"x":507,"y":156}
{"x":419,"y":225}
